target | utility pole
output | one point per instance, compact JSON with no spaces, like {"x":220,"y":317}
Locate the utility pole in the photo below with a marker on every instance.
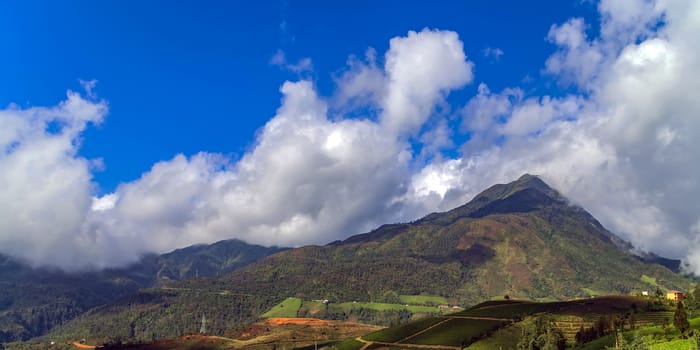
{"x":203,"y":328}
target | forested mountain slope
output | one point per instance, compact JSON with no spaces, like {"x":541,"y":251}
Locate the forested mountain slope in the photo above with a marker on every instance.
{"x":522,"y":239}
{"x":34,"y":300}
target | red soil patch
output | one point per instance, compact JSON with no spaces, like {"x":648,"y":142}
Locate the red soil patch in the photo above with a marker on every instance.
{"x":297,"y":321}
{"x":253,"y":331}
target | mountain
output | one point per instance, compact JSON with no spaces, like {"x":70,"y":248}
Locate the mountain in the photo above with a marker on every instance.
{"x":202,"y":260}
{"x":34,"y":300}
{"x":522,"y":239}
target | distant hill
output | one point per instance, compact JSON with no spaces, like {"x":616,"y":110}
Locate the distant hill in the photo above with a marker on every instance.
{"x":522,"y":239}
{"x":33,"y":301}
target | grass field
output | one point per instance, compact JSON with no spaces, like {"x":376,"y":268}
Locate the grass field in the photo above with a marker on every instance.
{"x":287,"y":308}
{"x":456,"y":332}
{"x":657,"y":337}
{"x":291,"y":306}
{"x":384,"y":306}
{"x":515,"y":309}
{"x":394,"y":334}
{"x":397,"y":347}
{"x":503,"y":338}
{"x":649,"y":280}
{"x":422,"y":300}
{"x":350,"y":344}
{"x":592,"y":292}
{"x":507,"y":310}
{"x":678,"y":344}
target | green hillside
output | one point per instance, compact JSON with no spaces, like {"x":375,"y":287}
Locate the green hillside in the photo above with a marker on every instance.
{"x":495,"y":324}
{"x":163,"y":313}
{"x":287,"y":308}
{"x":384,"y":314}
{"x":34,"y":301}
{"x":521,"y":239}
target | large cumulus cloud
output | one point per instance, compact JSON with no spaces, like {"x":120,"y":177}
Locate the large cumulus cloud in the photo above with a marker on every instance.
{"x":46,"y":187}
{"x":309,"y":178}
{"x":622,"y":144}
{"x":624,"y":147}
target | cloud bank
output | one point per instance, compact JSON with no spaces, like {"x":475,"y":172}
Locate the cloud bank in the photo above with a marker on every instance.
{"x":621,"y":145}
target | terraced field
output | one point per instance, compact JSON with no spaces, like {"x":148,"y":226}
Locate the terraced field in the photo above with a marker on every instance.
{"x":396,"y":334}
{"x":386,"y":306}
{"x":455,"y":332}
{"x":475,"y":325}
{"x":422,"y":300}
{"x":417,"y":305}
{"x":451,"y":331}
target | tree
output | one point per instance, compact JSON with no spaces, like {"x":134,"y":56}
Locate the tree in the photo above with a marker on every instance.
{"x":621,"y":343}
{"x":692,"y":303}
{"x":680,"y":318}
{"x":541,"y":334}
{"x":391,"y":297}
{"x":554,"y":339}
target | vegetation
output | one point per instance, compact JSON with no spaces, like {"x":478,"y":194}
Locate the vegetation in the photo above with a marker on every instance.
{"x":511,"y":324}
{"x":504,"y":338}
{"x":692,"y":301}
{"x":287,"y":308}
{"x":349,"y":344}
{"x":34,"y":301}
{"x":347,"y":306}
{"x":395,"y":334}
{"x":474,"y":252}
{"x":162,"y":313}
{"x":540,"y":333}
{"x":661,"y":337}
{"x":478,"y":251}
{"x":455,"y":332}
{"x":680,"y":319}
{"x":428,"y":300}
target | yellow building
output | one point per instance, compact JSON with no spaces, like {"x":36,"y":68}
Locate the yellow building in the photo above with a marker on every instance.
{"x":675,"y":295}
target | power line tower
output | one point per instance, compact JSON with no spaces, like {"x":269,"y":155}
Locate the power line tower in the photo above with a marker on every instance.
{"x":203,"y":328}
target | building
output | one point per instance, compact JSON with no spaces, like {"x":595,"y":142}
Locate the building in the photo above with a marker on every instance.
{"x":675,"y":295}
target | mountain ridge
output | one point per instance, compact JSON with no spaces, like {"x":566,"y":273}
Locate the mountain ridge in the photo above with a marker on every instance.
{"x":34,"y":300}
{"x":488,"y":233}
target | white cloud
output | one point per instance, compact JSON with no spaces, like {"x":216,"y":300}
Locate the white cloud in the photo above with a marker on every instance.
{"x":624,"y":150}
{"x":103,"y":203}
{"x":578,"y":60}
{"x":421,"y":68}
{"x":304,"y":65}
{"x":533,"y":115}
{"x":279,"y":58}
{"x":363,"y":83}
{"x":46,"y":186}
{"x":493,"y":53}
{"x":485,"y":109}
{"x":324,"y":169}
{"x":308,"y":179}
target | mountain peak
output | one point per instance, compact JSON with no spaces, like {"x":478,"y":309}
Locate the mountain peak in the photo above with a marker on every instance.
{"x":526,"y":194}
{"x":530,"y":180}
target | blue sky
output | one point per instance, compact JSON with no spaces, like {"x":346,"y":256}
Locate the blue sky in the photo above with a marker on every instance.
{"x":185,"y":76}
{"x":133,"y":127}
